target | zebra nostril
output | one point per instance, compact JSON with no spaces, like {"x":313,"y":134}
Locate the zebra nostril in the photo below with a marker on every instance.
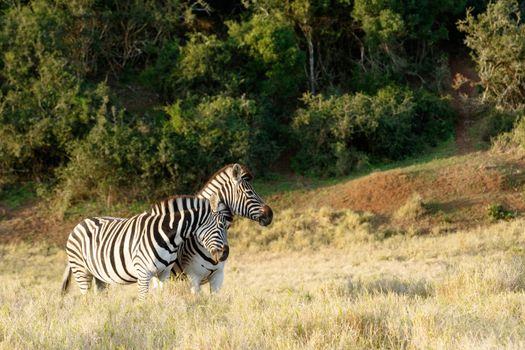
{"x":225,"y":253}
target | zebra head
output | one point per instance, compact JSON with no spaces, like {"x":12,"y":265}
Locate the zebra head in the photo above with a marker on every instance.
{"x":241,"y":197}
{"x":212,"y":235}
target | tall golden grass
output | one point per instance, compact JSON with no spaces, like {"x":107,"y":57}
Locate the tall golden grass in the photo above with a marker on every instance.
{"x":322,"y":283}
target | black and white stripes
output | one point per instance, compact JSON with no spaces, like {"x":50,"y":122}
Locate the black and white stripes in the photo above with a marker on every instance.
{"x":123,"y":251}
{"x":232,"y":185}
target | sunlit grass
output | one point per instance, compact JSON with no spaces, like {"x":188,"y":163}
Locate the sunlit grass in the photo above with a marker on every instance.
{"x":457,"y":291}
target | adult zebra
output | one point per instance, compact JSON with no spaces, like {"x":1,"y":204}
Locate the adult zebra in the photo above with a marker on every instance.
{"x":124,"y":251}
{"x":232,"y":185}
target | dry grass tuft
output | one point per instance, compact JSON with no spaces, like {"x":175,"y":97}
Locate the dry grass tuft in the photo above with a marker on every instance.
{"x":413,"y":209}
{"x":305,"y":229}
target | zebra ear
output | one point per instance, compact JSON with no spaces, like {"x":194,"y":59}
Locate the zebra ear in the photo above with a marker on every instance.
{"x":214,"y":202}
{"x":237,"y":172}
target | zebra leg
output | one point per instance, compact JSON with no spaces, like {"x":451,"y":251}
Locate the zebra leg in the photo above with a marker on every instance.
{"x":164,"y":275}
{"x":155,"y":283}
{"x":195,"y":283}
{"x":83,"y":278}
{"x":143,"y":283}
{"x":216,"y":280}
{"x":158,"y":281}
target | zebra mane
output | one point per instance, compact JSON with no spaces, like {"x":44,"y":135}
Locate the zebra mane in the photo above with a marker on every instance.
{"x":165,"y":201}
{"x":246,"y":174}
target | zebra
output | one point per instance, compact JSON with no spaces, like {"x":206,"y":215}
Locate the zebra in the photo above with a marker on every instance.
{"x":232,"y":185}
{"x":133,"y":250}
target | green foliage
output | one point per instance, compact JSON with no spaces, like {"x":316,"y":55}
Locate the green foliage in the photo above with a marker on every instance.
{"x":513,"y":140}
{"x":496,"y":40}
{"x":44,"y":105}
{"x":336,"y":132}
{"x":13,"y":197}
{"x":159,"y":75}
{"x":497,"y":212}
{"x":108,"y":164}
{"x":203,"y":67}
{"x":400,"y":38}
{"x":200,"y":138}
{"x":122,"y":157}
{"x":496,"y":122}
{"x":214,"y":83}
{"x":259,"y":57}
{"x":271,"y":44}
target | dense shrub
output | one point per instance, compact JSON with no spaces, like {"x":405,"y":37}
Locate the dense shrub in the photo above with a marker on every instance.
{"x":496,"y":39}
{"x":211,"y":84}
{"x":123,"y":157}
{"x":496,"y":122}
{"x":275,"y":68}
{"x":336,"y":132}
{"x":44,"y":105}
{"x":110,"y":163}
{"x":400,"y":39}
{"x":199,"y":139}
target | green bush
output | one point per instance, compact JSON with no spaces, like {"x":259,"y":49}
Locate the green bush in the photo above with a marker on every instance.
{"x":109,"y":163}
{"x":41,"y":115}
{"x":203,"y":67}
{"x":335,"y":132}
{"x":496,"y":40}
{"x":497,"y":212}
{"x":496,"y":122}
{"x":400,"y":39}
{"x":213,"y":132}
{"x":275,"y":67}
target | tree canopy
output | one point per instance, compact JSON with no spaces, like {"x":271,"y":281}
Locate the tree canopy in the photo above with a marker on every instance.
{"x":146,"y":98}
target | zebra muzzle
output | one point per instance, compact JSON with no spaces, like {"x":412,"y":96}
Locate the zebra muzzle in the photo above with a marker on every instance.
{"x":220,"y":254}
{"x":266,"y":216}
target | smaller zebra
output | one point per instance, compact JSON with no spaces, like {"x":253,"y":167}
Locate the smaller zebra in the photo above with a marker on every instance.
{"x":195,"y":262}
{"x":124,"y":251}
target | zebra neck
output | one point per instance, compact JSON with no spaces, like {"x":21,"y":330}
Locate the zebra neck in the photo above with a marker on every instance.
{"x":179,"y":216}
{"x":208,"y":191}
{"x":191,"y":247}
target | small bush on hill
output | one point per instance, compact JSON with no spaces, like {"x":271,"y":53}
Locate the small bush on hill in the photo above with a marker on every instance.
{"x":496,"y":122}
{"x":512,"y":141}
{"x":498,"y":212}
{"x":413,"y":209}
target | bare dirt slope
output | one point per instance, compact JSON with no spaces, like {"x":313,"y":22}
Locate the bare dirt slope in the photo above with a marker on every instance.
{"x":30,"y":224}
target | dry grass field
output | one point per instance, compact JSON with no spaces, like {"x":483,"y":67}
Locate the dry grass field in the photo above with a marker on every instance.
{"x":455,"y":291}
{"x":420,"y":266}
